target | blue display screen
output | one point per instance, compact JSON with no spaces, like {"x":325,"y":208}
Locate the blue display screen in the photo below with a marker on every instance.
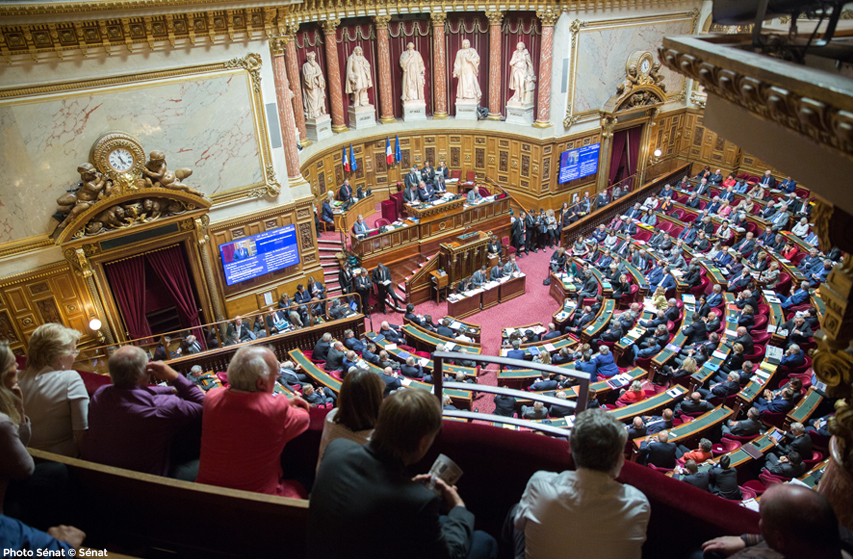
{"x":259,"y":254}
{"x":579,"y":163}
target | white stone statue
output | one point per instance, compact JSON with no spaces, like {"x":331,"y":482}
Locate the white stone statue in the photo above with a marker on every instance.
{"x":413,"y":74}
{"x":358,"y":78}
{"x":521,"y":76}
{"x":466,"y":68}
{"x":313,"y":88}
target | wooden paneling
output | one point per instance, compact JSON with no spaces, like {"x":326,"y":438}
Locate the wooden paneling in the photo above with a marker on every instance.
{"x":50,"y":294}
{"x":528,"y":167}
{"x":241,"y":298}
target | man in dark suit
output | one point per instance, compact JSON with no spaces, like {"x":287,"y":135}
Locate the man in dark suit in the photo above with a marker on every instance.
{"x":695,"y":333}
{"x":392,"y":381}
{"x":411,"y":193}
{"x":580,"y":320}
{"x":360,"y":227}
{"x":789,"y":466}
{"x":724,"y":480}
{"x":445,"y":330}
{"x":412,"y":369}
{"x":590,"y":286}
{"x":496,"y":272}
{"x":694,"y":404}
{"x":363,"y":286}
{"x":369,"y":354}
{"x":381,"y":277}
{"x":783,"y":403}
{"x":658,"y":424}
{"x":241,"y":253}
{"x":545,"y":383}
{"x":658,"y":451}
{"x":745,"y":246}
{"x":244,"y":333}
{"x":413,"y":178}
{"x":745,"y":339}
{"x":529,"y":231}
{"x":516,"y":353}
{"x":553,"y":332}
{"x":722,"y":389}
{"x":335,"y":357}
{"x":690,"y":474}
{"x":480,"y":277}
{"x":798,"y":332}
{"x":345,"y":192}
{"x":748,"y":427}
{"x":560,"y":411}
{"x":352,"y":342}
{"x":637,"y":428}
{"x":391,"y":334}
{"x":518,"y":233}
{"x":361,"y":487}
{"x":797,"y":440}
{"x":321,"y":348}
{"x":504,"y":405}
{"x":768,"y":180}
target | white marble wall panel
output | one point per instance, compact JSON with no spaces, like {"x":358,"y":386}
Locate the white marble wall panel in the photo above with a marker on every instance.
{"x":601,"y":57}
{"x":205,"y":123}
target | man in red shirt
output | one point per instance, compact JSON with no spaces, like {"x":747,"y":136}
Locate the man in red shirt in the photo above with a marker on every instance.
{"x":245,"y":428}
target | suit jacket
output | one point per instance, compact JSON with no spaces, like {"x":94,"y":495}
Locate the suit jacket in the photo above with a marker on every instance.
{"x":786,"y":469}
{"x":695,"y":333}
{"x":769,"y":181}
{"x":724,"y":483}
{"x":411,"y":195}
{"x":746,"y":342}
{"x":746,"y":428}
{"x":788,"y":186}
{"x":803,"y":337}
{"x":802,"y":444}
{"x":504,"y":405}
{"x":411,"y":179}
{"x":321,"y":350}
{"x":660,"y":454}
{"x":700,"y":480}
{"x":345,"y":193}
{"x":360,"y":228}
{"x":328,"y":215}
{"x":496,"y":273}
{"x":363,"y":284}
{"x":479,"y":278}
{"x":689,"y":406}
{"x":391,"y":335}
{"x":335,"y":360}
{"x":360,"y":489}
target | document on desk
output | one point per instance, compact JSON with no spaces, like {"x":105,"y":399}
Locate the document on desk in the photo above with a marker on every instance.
{"x":549,"y":347}
{"x":455,"y":325}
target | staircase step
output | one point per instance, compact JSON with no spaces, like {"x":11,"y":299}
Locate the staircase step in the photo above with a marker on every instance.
{"x":327,"y":256}
{"x":329,"y":242}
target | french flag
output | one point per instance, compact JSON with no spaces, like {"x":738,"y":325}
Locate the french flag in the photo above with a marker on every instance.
{"x":345,"y":161}
{"x":389,"y":153}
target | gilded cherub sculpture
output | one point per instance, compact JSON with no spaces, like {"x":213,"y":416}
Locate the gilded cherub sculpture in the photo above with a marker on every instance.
{"x":91,"y":188}
{"x":155,"y":174}
{"x":631,"y":80}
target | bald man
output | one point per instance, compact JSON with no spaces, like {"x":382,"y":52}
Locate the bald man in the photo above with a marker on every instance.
{"x":795,"y":522}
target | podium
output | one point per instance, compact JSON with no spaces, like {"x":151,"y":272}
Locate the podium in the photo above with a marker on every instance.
{"x":464,"y":255}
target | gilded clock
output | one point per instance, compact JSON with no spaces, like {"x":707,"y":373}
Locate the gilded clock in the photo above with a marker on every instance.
{"x":116,"y":153}
{"x":643,"y":62}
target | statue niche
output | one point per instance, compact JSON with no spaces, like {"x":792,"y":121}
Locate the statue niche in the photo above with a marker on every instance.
{"x":118,"y":189}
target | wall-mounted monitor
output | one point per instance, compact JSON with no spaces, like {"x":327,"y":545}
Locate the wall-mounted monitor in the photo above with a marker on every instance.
{"x":579,"y":163}
{"x":259,"y":254}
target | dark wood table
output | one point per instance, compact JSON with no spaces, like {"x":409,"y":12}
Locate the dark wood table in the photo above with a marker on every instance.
{"x":464,"y":307}
{"x":512,"y":288}
{"x":491,"y":296}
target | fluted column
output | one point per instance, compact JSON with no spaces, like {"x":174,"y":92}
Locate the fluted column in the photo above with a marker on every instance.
{"x":386,"y":100}
{"x":285,"y":109}
{"x":546,"y":55}
{"x":608,"y":123}
{"x":495,"y":20}
{"x":293,"y":78}
{"x":333,"y":68}
{"x":439,"y":65}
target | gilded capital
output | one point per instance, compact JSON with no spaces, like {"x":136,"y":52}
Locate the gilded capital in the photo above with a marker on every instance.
{"x":277,"y":45}
{"x":330,"y":26}
{"x":438,"y":18}
{"x":381,"y":22}
{"x":495,"y":18}
{"x":548,"y":17}
{"x":292,"y":29}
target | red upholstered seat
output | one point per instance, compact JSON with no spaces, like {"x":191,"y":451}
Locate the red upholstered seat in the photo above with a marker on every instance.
{"x":223,"y":378}
{"x":762,"y":309}
{"x":21,"y":362}
{"x":665,"y":225}
{"x":661,"y":470}
{"x":805,"y":377}
{"x":760,"y":337}
{"x":643,"y":235}
{"x":784,"y":285}
{"x":457,"y":174}
{"x":760,"y":322}
{"x":818,"y":440}
{"x":773,"y":418}
{"x":725,"y":446}
{"x":678,"y":214}
{"x":701,"y":288}
{"x":754,"y":486}
{"x":769,"y":479}
{"x":93,"y":381}
{"x":751,"y":227}
{"x":747,"y":493}
{"x":812,"y":462}
{"x":381,"y":222}
{"x":336,"y":375}
{"x":756,"y":357}
{"x":484,"y":191}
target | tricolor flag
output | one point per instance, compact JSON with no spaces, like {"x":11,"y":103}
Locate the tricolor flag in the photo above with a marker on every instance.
{"x":353,"y":164}
{"x":397,"y":155}
{"x":389,"y":155}
{"x":345,"y":161}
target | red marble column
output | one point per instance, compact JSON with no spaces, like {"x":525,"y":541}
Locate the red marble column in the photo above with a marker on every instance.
{"x":495,"y":20}
{"x":333,"y":69}
{"x":439,"y":65}
{"x":386,"y":100}
{"x":285,"y":109}
{"x":546,"y":56}
{"x":293,"y":78}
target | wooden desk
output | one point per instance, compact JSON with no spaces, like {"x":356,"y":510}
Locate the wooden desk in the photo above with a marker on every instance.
{"x":604,"y":316}
{"x":512,"y":288}
{"x":426,"y":341}
{"x":692,"y":429}
{"x":440,"y":282}
{"x":465,"y":306}
{"x":490,"y":297}
{"x":805,"y":408}
{"x":649,"y":405}
{"x":561,"y":287}
{"x":739,"y":456}
{"x":365,"y":207}
{"x":431,"y":212}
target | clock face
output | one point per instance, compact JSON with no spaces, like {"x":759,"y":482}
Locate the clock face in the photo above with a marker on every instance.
{"x":121,"y":159}
{"x":645,"y":66}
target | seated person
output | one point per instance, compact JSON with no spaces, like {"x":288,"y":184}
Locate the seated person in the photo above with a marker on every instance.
{"x":658,"y":424}
{"x":545,"y":383}
{"x":132,"y":425}
{"x":245,"y":428}
{"x":690,"y":473}
{"x":536,"y":411}
{"x":722,"y":389}
{"x":504,"y":405}
{"x":701,"y":454}
{"x":391,"y":334}
{"x":318,"y":397}
{"x":748,"y":427}
{"x":783,"y":403}
{"x":634,"y":394}
{"x":561,"y":411}
{"x":724,"y":480}
{"x":789,"y":466}
{"x":605,"y":365}
{"x":658,"y":451}
{"x":694,"y":405}
{"x":352,"y":342}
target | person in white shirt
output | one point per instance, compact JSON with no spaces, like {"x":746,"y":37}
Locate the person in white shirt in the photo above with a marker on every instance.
{"x":801,"y":229}
{"x":586,"y":512}
{"x":462,"y":337}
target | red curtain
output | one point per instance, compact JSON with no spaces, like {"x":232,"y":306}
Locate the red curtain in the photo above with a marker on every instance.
{"x":518,"y":27}
{"x":617,"y":154}
{"x":634,"y":148}
{"x":127,"y":280}
{"x":311,"y":40}
{"x":170,"y":266}
{"x":475,"y":28}
{"x":351,"y":36}
{"x":401,"y":33}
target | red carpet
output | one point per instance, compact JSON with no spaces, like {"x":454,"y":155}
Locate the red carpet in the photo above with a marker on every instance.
{"x":536,"y":305}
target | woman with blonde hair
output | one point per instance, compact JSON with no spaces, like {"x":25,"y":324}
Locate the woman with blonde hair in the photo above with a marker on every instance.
{"x":659,"y":299}
{"x":770,"y":277}
{"x":54,"y":392}
{"x":551,"y":228}
{"x":15,"y":428}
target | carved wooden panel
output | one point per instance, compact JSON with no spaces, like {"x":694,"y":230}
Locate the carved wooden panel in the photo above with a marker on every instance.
{"x":48,"y":311}
{"x":525,"y":165}
{"x":430,"y":155}
{"x":479,"y":140}
{"x":359,"y":172}
{"x":405,"y":162}
{"x":321,"y":180}
{"x":37,"y":288}
{"x":305,"y":237}
{"x":238,"y":232}
{"x":270,"y":224}
{"x":454,"y":157}
{"x":525,"y":147}
{"x":504,"y":161}
{"x":455,"y":139}
{"x":7,"y":330}
{"x":698,"y":136}
{"x":339,"y":175}
{"x":480,"y":158}
{"x":303,"y":213}
{"x":546,"y":168}
{"x":381,"y":163}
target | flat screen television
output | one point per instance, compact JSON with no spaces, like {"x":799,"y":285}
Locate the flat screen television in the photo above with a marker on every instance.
{"x":579,"y":163}
{"x":259,"y":254}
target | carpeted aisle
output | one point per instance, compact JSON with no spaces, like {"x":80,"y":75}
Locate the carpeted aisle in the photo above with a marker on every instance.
{"x":536,"y":305}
